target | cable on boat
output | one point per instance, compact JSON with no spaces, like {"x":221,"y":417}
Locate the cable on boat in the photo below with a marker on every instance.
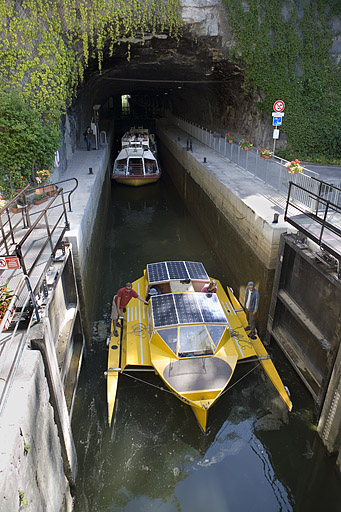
{"x":149,"y":383}
{"x":243,"y":377}
{"x":171,"y":392}
{"x":139,"y":329}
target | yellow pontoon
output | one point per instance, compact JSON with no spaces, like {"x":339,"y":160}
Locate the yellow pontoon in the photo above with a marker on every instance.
{"x":193,"y":340}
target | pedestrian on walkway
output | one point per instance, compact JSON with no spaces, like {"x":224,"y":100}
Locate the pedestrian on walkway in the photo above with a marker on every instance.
{"x":189,"y":146}
{"x":87,"y":137}
{"x":120,"y":302}
{"x":251,"y":307}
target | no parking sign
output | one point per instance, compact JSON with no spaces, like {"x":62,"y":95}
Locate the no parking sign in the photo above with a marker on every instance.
{"x":279,"y":106}
{"x":9,"y":262}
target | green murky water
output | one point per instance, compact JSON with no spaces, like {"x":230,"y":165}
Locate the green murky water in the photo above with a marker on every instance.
{"x":255,"y":456}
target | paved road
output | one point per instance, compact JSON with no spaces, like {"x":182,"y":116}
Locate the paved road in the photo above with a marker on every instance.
{"x":329,"y":173}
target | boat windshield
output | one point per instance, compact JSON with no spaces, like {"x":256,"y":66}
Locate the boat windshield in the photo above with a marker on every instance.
{"x":150,"y":166}
{"x":192,"y":340}
{"x":135,"y":166}
{"x":121,"y":166}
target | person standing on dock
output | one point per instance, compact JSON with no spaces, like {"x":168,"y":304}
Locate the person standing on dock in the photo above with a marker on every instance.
{"x":87,"y":137}
{"x":121,"y":300}
{"x":251,"y":307}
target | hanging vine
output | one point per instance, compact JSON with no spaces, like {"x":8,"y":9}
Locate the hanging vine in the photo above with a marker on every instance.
{"x":46,"y":44}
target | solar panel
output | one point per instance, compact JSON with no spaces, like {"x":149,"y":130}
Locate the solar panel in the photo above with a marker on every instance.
{"x":187,"y":308}
{"x":163,"y":309}
{"x":177,"y":270}
{"x":196,"y":270}
{"x":211,"y":309}
{"x":157,"y":272}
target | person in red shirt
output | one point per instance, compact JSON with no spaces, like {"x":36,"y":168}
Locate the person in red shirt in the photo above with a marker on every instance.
{"x":121,"y":300}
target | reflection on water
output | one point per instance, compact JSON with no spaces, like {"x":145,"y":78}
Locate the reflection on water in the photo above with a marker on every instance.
{"x":255,"y":456}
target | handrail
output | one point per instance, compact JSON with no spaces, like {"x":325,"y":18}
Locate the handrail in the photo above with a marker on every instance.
{"x":69,"y":192}
{"x":43,"y":214}
{"x":313,"y":213}
{"x":16,"y":359}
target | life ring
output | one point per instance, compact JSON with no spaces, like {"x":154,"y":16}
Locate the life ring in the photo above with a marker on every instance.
{"x":56,"y":159}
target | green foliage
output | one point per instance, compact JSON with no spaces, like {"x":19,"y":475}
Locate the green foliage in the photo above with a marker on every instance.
{"x":45,"y":46}
{"x":26,"y":143}
{"x":22,"y":500}
{"x":285,"y":47}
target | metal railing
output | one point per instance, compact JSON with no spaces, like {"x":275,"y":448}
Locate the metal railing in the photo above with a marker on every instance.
{"x":321,"y":221}
{"x":273,"y":171}
{"x":50,"y":221}
{"x":18,"y":214}
{"x":7,"y":373}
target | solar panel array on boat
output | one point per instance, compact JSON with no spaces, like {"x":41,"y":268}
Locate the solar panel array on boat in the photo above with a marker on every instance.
{"x":157,"y":272}
{"x":173,"y":270}
{"x":164,"y":311}
{"x":186,"y":308}
{"x":211,"y":309}
{"x":196,"y":270}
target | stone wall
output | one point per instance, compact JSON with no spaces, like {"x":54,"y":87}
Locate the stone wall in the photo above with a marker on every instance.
{"x":30,"y":459}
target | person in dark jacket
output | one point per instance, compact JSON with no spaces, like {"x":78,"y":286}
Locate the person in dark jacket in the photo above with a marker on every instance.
{"x":87,"y":137}
{"x":251,"y":307}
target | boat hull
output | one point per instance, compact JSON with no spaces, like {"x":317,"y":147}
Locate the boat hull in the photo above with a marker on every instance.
{"x":136,"y":181}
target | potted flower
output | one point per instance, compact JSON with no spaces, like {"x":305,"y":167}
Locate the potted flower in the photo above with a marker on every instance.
{"x":5,"y":300}
{"x":245,"y":144}
{"x":265,"y":153}
{"x":294,"y":167}
{"x":3,"y":203}
{"x":228,"y":137}
{"x":42,"y":178}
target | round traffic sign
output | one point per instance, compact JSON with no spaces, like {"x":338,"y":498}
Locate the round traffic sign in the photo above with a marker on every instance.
{"x":279,"y":106}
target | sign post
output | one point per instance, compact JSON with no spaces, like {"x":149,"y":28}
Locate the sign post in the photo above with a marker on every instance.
{"x":277,"y":116}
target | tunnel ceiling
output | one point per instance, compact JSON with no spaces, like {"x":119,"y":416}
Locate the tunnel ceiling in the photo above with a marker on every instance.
{"x":163,"y":64}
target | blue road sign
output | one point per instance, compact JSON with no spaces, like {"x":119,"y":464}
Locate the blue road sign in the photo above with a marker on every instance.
{"x":277,"y":121}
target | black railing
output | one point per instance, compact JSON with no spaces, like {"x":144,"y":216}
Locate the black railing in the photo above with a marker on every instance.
{"x":320,"y":221}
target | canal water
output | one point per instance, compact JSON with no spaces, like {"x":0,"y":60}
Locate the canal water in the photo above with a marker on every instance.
{"x":255,"y":456}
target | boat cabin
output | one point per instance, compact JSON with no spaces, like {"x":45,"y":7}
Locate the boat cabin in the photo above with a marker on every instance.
{"x":189,"y":322}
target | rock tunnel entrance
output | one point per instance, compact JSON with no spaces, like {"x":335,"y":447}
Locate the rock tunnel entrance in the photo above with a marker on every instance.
{"x":192,"y":78}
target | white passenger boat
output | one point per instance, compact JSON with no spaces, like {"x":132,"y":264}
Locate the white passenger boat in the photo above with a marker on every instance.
{"x":193,"y":340}
{"x":136,"y":163}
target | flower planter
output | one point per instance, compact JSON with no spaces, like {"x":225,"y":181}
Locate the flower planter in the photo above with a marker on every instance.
{"x":50,"y":190}
{"x":229,"y":141}
{"x":40,"y":201}
{"x":265,"y":157}
{"x":245,"y":149}
{"x":18,"y":209}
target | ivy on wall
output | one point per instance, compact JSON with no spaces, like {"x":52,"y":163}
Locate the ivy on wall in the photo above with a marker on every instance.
{"x":285,"y":46}
{"x":46,"y":44}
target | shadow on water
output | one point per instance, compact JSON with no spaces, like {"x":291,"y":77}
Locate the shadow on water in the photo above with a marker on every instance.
{"x":255,"y":456}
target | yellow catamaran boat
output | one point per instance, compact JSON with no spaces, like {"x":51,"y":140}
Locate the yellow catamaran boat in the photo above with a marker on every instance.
{"x":193,"y":340}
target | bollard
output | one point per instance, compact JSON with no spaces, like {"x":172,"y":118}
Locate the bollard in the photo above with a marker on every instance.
{"x":204,"y":160}
{"x":90,"y":170}
{"x":275,"y":221}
